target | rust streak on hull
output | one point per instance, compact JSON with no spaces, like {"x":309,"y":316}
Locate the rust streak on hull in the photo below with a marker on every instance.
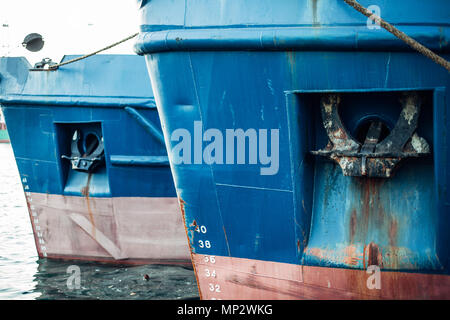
{"x":85,"y":192}
{"x":182,"y":204}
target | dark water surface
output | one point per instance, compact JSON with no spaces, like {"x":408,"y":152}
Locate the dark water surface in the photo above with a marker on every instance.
{"x":24,"y":276}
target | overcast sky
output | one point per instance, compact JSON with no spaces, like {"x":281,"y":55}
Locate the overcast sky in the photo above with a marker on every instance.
{"x":68,"y":27}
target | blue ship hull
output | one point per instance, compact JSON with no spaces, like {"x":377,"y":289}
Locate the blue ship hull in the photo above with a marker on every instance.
{"x":314,"y":228}
{"x":109,"y":195}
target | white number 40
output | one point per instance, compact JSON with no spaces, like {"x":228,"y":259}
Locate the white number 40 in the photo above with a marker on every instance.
{"x":201,"y":229}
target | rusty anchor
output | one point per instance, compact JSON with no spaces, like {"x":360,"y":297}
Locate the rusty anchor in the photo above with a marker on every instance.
{"x":374,"y":158}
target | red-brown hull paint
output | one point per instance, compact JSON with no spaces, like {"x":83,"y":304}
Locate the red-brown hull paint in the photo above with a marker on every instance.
{"x":246,"y":279}
{"x":127,"y":230}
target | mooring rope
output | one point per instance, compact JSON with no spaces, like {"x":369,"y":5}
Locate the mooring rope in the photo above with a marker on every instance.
{"x":56,"y":66}
{"x":401,"y":35}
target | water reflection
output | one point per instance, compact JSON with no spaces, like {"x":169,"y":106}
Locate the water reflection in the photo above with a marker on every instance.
{"x":18,"y":257}
{"x":101,"y":281}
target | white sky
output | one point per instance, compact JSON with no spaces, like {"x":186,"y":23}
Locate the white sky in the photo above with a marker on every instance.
{"x":67,"y":26}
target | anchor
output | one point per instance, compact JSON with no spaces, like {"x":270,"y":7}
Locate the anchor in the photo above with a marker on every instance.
{"x":92,"y":156}
{"x":374,"y":158}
